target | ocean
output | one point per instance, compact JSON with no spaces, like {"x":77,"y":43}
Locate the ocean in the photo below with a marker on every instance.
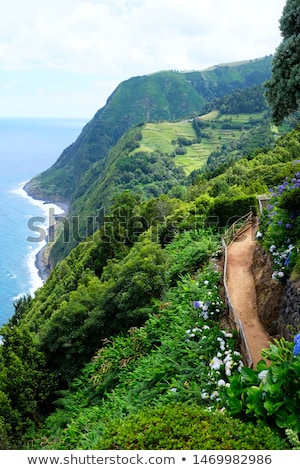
{"x":27,"y":147}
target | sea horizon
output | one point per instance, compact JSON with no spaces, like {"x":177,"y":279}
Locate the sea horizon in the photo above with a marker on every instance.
{"x":28,"y":146}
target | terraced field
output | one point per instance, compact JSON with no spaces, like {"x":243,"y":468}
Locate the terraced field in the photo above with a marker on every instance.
{"x":163,"y":137}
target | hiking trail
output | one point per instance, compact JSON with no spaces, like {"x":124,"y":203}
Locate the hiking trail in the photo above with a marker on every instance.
{"x":241,"y":288}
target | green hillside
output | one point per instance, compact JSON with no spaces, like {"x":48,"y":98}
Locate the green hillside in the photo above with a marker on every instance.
{"x":162,"y":96}
{"x":157,"y":158}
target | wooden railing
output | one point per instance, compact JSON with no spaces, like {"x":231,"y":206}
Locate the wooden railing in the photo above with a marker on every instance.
{"x":230,"y":235}
{"x":263,"y":200}
{"x":238,"y":227}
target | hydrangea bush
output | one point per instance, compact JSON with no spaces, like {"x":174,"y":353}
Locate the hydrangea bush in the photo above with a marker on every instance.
{"x":280,"y":227}
{"x":271,"y":392}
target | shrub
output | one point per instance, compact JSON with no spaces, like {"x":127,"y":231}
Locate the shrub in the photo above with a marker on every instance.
{"x":188,"y":427}
{"x":269,"y":394}
{"x":5,"y":444}
{"x":228,"y":210}
{"x":189,"y":251}
{"x":180,"y":150}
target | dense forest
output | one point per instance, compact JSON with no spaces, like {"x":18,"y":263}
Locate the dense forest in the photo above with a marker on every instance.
{"x":128,"y":345}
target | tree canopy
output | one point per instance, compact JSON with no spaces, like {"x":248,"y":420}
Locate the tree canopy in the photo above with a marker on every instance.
{"x":283,"y":89}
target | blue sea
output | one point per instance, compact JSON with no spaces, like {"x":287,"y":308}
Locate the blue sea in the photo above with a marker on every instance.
{"x":27,"y":147}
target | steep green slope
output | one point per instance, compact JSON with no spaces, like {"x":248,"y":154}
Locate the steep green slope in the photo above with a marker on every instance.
{"x":147,"y":174}
{"x":161,"y":96}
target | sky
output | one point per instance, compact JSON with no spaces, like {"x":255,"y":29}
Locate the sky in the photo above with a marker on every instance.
{"x":63,"y":58}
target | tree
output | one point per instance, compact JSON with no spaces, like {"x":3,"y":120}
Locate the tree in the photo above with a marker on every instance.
{"x":283,"y":88}
{"x":25,"y":382}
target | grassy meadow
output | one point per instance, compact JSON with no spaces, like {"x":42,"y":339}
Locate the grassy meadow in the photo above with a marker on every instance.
{"x":163,"y":137}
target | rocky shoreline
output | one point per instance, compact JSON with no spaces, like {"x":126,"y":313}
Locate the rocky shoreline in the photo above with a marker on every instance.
{"x":41,"y":260}
{"x":42,"y":264}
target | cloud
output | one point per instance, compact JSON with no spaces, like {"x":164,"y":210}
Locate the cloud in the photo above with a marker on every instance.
{"x":112,"y":40}
{"x":113,"y":36}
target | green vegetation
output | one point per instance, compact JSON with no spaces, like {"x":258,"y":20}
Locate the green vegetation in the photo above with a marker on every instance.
{"x":211,"y":137}
{"x":128,"y":344}
{"x":180,"y":427}
{"x":271,"y":394}
{"x":280,"y":230}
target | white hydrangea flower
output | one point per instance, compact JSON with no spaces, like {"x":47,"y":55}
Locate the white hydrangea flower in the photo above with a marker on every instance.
{"x":215,"y":363}
{"x":214,"y":395}
{"x":227,"y":359}
{"x":221,"y":383}
{"x":228,"y":366}
{"x":263,"y":375}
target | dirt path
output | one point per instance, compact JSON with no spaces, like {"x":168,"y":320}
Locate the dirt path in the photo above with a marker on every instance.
{"x":242,"y":293}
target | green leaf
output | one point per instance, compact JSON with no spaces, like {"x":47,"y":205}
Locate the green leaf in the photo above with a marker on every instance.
{"x":235,"y":388}
{"x":254,"y":401}
{"x":249,"y":375}
{"x":235,"y":405}
{"x":282,"y":419}
{"x":261,"y":365}
{"x":272,"y":407}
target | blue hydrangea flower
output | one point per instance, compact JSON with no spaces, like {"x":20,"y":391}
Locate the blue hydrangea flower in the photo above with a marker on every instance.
{"x":296,"y":350}
{"x":297,"y":338}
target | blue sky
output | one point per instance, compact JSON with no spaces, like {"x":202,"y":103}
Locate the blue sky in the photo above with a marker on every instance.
{"x":65,"y":57}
